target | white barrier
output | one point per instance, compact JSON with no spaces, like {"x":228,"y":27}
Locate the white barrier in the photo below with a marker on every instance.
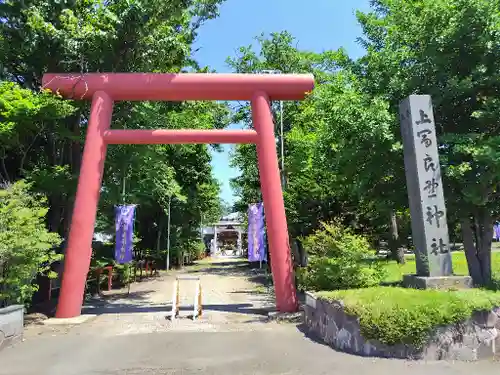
{"x":197,"y":311}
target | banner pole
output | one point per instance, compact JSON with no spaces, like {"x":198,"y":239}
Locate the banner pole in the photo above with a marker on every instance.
{"x":129,"y":278}
{"x":123,"y":189}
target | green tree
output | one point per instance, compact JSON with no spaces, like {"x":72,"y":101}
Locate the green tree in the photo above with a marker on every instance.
{"x":335,"y":142}
{"x":449,"y":50}
{"x":305,"y":196}
{"x":113,"y":36}
{"x":26,"y":247}
{"x":23,"y":115}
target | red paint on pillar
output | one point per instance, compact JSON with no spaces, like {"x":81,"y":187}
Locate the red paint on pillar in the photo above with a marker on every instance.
{"x":270,"y":182}
{"x":79,"y":245}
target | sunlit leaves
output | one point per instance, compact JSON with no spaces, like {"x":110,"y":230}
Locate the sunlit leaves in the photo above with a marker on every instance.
{"x":450,"y":50}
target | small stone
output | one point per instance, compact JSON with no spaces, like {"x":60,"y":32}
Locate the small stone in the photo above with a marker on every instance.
{"x":485,"y":319}
{"x":338,"y":304}
{"x":486,"y":350}
{"x":460,"y":352}
{"x":356,"y":343}
{"x":471,"y":341}
{"x":343,"y":339}
{"x":496,"y":311}
{"x":369,"y":349}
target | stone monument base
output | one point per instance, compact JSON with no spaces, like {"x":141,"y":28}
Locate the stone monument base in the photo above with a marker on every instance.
{"x":437,"y":282}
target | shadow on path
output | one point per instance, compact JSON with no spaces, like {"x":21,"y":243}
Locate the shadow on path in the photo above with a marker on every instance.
{"x":302,"y":328}
{"x":235,"y":268}
{"x":128,"y":308}
{"x":121,"y":302}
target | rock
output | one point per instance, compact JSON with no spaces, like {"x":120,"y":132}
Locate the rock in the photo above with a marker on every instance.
{"x":485,"y":319}
{"x":11,"y":325}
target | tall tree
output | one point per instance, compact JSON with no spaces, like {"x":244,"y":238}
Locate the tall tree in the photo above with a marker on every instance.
{"x":335,"y":142}
{"x":278,"y":52}
{"x":449,"y":49}
{"x":113,"y":36}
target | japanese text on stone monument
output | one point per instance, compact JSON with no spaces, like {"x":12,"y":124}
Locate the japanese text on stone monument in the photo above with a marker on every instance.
{"x":424,"y":184}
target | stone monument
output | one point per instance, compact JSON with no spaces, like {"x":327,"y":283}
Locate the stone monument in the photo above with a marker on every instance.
{"x":426,"y":199}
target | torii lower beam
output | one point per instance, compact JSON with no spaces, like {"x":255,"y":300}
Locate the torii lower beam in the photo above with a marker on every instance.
{"x":161,"y":136}
{"x":106,"y":88}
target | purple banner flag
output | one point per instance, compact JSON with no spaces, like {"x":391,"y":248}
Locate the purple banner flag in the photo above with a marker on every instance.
{"x":256,"y":233}
{"x":496,"y":232}
{"x":124,"y":220}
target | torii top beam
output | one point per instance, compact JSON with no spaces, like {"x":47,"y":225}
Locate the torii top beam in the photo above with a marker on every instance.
{"x":179,"y":87}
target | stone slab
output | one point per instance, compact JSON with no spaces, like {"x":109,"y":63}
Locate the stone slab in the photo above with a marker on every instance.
{"x":11,"y":325}
{"x":310,"y":300}
{"x":437,"y":282}
{"x":429,"y":228}
{"x":5,"y":342}
{"x":294,"y":317}
{"x":69,"y":321}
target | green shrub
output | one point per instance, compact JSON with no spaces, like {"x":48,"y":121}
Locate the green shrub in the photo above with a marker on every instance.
{"x":398,"y":315}
{"x":196,"y":249}
{"x":103,"y":254}
{"x":124,"y":273}
{"x":338,"y":259}
{"x":26,"y":247}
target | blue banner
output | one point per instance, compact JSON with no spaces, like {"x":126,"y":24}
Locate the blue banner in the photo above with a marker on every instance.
{"x":256,"y":233}
{"x":124,"y":220}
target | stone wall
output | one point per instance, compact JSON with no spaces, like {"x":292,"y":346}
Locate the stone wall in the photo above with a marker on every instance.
{"x":477,"y":338}
{"x":11,"y":325}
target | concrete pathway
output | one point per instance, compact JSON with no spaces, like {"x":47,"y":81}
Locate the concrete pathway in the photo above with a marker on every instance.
{"x":134,"y":335}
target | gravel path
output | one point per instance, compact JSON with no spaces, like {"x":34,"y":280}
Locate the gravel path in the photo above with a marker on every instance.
{"x":230,"y":299}
{"x":134,"y":335}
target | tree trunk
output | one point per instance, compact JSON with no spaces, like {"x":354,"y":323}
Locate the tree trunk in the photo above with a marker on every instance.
{"x":158,"y":237}
{"x":477,"y":240}
{"x":397,"y":252}
{"x":54,"y":214}
{"x":75,"y":159}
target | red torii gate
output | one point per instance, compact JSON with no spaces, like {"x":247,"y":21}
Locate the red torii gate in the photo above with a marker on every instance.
{"x":106,"y":88}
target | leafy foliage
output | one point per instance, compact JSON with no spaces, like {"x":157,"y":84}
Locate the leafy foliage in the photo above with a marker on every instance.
{"x":41,"y":136}
{"x":26,"y":247}
{"x":338,"y":259}
{"x":448,"y":49}
{"x":400,"y":315}
{"x":343,"y":151}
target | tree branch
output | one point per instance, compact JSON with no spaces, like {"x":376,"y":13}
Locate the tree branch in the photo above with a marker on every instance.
{"x":5,"y":172}
{"x":29,"y":147}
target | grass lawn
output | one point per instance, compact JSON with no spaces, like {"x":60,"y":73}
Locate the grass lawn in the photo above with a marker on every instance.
{"x":395,"y":271}
{"x":393,"y":315}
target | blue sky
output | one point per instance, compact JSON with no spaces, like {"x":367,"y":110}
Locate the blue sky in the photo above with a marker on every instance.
{"x":318,"y":25}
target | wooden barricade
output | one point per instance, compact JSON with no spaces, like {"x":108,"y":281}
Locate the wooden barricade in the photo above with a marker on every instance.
{"x":197,"y":311}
